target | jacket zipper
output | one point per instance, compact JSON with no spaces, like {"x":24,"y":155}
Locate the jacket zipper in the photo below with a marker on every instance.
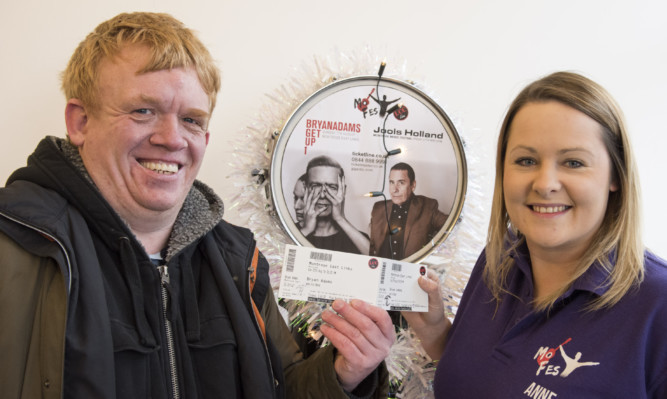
{"x":164,"y":283}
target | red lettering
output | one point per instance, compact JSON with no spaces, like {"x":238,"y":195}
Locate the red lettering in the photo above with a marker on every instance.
{"x":313,"y":133}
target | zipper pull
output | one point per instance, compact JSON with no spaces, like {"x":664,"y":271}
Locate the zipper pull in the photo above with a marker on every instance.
{"x":164,"y":275}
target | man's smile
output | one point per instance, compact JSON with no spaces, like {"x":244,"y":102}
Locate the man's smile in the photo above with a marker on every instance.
{"x":160,"y":167}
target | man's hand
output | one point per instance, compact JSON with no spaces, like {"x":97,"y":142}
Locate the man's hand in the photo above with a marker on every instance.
{"x":363,"y":335}
{"x":310,"y":214}
{"x":337,"y":199}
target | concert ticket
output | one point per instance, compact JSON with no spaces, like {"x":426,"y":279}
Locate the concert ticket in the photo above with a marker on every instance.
{"x":318,"y":275}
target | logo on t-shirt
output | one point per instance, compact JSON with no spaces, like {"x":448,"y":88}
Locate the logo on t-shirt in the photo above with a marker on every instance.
{"x":544,"y":356}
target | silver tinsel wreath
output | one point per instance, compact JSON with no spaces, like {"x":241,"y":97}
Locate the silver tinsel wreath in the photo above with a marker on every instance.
{"x":411,"y":370}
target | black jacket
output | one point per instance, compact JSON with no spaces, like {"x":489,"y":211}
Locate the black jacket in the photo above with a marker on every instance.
{"x":116,"y":340}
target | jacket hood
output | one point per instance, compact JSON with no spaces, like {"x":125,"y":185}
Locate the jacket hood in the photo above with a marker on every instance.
{"x":201,"y":210}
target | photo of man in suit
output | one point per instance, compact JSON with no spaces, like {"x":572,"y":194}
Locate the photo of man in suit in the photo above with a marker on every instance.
{"x":406,"y":223}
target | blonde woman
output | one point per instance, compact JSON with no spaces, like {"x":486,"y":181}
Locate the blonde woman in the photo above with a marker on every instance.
{"x":564,"y":301}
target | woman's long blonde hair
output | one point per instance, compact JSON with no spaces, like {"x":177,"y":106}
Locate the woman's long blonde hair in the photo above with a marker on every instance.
{"x":617,"y":246}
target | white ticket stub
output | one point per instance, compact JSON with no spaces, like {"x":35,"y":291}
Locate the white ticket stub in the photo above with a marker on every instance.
{"x":318,"y":275}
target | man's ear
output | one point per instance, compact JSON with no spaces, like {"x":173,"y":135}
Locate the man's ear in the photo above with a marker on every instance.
{"x":76,"y":119}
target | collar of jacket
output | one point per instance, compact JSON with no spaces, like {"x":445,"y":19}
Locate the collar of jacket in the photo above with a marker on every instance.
{"x":201,"y":210}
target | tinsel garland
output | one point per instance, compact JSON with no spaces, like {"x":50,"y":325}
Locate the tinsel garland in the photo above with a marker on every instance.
{"x":411,"y":370}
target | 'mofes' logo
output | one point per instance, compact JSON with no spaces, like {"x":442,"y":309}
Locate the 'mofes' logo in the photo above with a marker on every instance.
{"x":545,"y":354}
{"x":383,"y":106}
{"x":563,"y":369}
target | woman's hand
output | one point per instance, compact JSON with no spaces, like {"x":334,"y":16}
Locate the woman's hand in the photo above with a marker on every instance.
{"x":431,"y":327}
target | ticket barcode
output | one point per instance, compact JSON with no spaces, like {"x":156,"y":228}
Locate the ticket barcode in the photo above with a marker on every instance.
{"x":396,"y":267}
{"x":320,"y":256}
{"x":384,"y":270}
{"x":291,"y":258}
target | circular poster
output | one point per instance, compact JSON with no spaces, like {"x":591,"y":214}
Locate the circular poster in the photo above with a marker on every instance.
{"x":369,"y":165}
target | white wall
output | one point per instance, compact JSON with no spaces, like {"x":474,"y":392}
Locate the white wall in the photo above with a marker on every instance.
{"x":473,"y":56}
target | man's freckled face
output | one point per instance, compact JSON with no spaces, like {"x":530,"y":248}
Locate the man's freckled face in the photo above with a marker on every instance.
{"x":145,"y":143}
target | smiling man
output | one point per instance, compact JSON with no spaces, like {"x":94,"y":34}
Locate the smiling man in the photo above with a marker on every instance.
{"x":144,"y":142}
{"x":119,"y":277}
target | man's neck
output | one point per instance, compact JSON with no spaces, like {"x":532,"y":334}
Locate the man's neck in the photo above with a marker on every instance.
{"x":153,"y":241}
{"x":153,"y":233}
{"x":404,"y":203}
{"x":325,"y":227}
